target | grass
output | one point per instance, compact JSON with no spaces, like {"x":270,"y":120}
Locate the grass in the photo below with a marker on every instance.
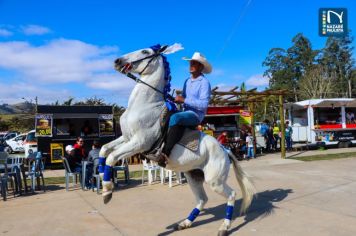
{"x":61,"y":180}
{"x":325,"y":156}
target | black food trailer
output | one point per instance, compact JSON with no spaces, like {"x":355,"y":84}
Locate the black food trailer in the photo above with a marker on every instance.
{"x":59,"y":126}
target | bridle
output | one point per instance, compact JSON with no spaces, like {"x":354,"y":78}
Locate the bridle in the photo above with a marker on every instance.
{"x":138,"y":80}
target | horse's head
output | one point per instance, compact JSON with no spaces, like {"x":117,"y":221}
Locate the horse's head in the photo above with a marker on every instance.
{"x":146,"y":62}
{"x":140,"y":61}
{"x":143,"y":61}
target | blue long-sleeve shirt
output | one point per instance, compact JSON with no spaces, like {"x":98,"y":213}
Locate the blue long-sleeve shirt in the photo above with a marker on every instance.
{"x":197,"y":95}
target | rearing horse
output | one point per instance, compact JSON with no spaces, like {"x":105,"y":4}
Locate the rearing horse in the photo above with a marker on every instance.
{"x":140,"y":125}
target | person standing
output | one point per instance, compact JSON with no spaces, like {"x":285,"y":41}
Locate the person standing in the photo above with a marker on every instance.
{"x":288,"y":135}
{"x":243,"y":147}
{"x":195,"y":100}
{"x":276,"y":132}
{"x":264,"y":133}
{"x":249,"y":143}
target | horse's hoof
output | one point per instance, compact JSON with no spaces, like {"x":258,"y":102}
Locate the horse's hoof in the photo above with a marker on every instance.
{"x":223,"y":233}
{"x":179,"y":227}
{"x":107,"y":198}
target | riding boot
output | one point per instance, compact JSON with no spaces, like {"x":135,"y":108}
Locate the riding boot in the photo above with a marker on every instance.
{"x":175,"y":133}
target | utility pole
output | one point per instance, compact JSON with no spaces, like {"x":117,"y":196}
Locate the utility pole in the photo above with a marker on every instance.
{"x":36,"y":103}
{"x":283,"y":129}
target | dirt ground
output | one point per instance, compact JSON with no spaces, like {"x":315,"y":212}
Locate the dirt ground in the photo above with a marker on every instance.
{"x":294,"y":198}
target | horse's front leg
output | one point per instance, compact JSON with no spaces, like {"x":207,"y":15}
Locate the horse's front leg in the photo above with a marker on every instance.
{"x":125,"y":150}
{"x":105,"y":151}
{"x":195,"y":180}
{"x":109,"y":147}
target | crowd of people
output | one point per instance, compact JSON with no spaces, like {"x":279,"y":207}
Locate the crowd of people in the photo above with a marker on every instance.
{"x":76,"y":153}
{"x":272,"y":135}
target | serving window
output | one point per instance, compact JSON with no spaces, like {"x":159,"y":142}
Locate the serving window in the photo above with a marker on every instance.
{"x":74,"y":127}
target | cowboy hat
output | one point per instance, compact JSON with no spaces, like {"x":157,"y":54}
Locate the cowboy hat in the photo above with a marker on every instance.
{"x":197,"y":56}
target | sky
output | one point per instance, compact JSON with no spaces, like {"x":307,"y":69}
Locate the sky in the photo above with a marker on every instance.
{"x":54,"y":50}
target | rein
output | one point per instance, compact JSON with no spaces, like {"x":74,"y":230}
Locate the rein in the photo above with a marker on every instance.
{"x":169,"y":99}
{"x":138,"y":80}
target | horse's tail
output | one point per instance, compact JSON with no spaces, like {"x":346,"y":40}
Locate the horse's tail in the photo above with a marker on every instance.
{"x":247,"y":188}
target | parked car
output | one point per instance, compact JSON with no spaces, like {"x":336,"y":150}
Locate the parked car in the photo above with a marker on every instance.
{"x":2,"y":135}
{"x":9,"y":135}
{"x":30,"y":143}
{"x":15,"y":144}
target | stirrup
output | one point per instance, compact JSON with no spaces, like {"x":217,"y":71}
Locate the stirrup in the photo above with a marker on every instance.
{"x":159,"y":156}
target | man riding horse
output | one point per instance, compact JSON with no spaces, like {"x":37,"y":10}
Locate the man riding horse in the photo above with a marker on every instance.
{"x":141,"y":126}
{"x":195,"y":100}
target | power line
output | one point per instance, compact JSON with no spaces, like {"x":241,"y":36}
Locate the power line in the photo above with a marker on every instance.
{"x":234,"y":28}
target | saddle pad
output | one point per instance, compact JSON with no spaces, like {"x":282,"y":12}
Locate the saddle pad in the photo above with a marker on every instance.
{"x":190,"y":139}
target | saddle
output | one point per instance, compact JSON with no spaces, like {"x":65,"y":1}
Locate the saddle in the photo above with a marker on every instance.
{"x":190,"y":139}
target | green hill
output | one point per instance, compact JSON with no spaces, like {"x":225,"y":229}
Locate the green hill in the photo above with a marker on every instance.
{"x":19,"y":108}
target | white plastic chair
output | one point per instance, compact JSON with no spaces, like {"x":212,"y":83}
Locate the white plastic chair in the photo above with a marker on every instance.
{"x":169,"y":173}
{"x":149,"y":167}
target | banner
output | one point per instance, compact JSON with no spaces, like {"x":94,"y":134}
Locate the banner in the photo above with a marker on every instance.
{"x":106,"y":125}
{"x":43,"y":124}
{"x":57,"y":152}
{"x":245,"y":117}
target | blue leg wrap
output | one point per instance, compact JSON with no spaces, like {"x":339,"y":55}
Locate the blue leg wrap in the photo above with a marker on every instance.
{"x":101,"y":164}
{"x":107,"y":173}
{"x":229,"y":211}
{"x":193,"y":214}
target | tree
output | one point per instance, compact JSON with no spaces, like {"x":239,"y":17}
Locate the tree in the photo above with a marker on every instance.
{"x":286,"y":67}
{"x":316,"y":83}
{"x":337,"y":57}
{"x":93,"y":101}
{"x":302,"y":54}
{"x":301,"y":58}
{"x":68,"y":102}
{"x":279,"y":70}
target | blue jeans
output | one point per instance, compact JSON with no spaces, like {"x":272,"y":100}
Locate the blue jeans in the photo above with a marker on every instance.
{"x":250,"y":152}
{"x":289,"y":143}
{"x":184,"y":118}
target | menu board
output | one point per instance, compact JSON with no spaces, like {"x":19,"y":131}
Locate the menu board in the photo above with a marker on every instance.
{"x":43,"y":124}
{"x":106,"y":125}
{"x":57,"y":152}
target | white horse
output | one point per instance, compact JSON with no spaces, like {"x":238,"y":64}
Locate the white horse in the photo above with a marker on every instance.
{"x":140,"y":125}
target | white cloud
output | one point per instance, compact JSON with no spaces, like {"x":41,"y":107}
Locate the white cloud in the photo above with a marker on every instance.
{"x":14,"y":93}
{"x":113,"y":82}
{"x":35,"y":30}
{"x":224,"y":87}
{"x":257,"y":81}
{"x":217,"y":72}
{"x":5,"y":33}
{"x":34,"y":70}
{"x":59,"y":61}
